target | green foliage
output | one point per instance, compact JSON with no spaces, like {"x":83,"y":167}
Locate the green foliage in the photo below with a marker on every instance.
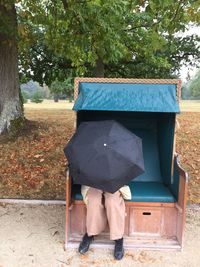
{"x":185,"y":92}
{"x":194,"y":86}
{"x":57,"y":87}
{"x":21,"y":101}
{"x":191,"y":89}
{"x":59,"y":39}
{"x":62,"y":87}
{"x":24,"y":97}
{"x":69,"y":88}
{"x":37,"y":97}
{"x":31,"y":87}
{"x":7,"y":10}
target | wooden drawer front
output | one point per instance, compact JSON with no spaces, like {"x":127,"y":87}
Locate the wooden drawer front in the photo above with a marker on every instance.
{"x":145,"y":221}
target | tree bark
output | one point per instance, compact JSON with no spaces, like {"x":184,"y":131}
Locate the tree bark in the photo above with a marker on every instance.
{"x":99,"y":68}
{"x":10,"y":106}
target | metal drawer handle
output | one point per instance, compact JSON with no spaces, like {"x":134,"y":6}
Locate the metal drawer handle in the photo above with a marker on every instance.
{"x":146,"y":213}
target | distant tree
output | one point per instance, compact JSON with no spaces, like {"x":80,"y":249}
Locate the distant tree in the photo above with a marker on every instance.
{"x":30,"y":87}
{"x":37,"y":97}
{"x":194,"y":86}
{"x":46,"y":91}
{"x":57,"y":88}
{"x":60,"y":88}
{"x":69,"y":88}
{"x":185,"y":91}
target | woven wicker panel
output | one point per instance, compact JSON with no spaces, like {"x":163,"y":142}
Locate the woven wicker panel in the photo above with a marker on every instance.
{"x":120,"y":80}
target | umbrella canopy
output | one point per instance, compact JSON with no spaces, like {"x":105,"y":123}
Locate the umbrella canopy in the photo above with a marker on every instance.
{"x":104,"y":155}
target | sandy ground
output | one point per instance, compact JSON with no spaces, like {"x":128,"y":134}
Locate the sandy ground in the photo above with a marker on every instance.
{"x":33,"y":235}
{"x":186,"y":105}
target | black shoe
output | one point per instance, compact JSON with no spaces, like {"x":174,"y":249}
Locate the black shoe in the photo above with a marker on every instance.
{"x":119,"y":249}
{"x":85,"y":243}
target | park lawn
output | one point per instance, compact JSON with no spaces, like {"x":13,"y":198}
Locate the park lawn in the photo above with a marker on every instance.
{"x":188,"y":147}
{"x":33,"y":165}
{"x":185,"y":105}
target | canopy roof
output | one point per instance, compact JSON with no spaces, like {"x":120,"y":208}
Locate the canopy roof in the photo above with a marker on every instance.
{"x":142,"y":97}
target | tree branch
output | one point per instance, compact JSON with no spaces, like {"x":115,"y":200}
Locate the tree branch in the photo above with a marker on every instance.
{"x":65,"y":4}
{"x":177,"y":10}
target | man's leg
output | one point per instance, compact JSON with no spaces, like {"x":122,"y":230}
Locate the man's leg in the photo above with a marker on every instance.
{"x":115,"y":210}
{"x":96,"y":220}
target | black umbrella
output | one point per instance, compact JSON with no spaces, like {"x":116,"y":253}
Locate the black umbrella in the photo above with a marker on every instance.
{"x":104,"y":155}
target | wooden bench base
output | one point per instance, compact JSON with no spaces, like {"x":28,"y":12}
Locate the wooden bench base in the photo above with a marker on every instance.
{"x":148,"y":225}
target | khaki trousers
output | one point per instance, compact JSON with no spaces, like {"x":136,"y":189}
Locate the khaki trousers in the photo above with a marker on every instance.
{"x":103,"y":208}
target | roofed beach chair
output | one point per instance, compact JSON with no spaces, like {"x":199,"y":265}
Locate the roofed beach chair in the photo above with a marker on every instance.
{"x":155,"y":216}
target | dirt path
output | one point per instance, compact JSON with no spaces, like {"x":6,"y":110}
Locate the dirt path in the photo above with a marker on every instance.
{"x":33,"y":236}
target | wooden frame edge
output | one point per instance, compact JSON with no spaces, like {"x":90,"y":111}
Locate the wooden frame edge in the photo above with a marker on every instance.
{"x":182,"y":201}
{"x":180,"y":169}
{"x":138,"y":204}
{"x":68,"y":200}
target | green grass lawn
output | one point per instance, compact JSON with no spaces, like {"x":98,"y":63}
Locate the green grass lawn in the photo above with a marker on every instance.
{"x":186,"y":105}
{"x":49,"y":104}
{"x":190,"y":105}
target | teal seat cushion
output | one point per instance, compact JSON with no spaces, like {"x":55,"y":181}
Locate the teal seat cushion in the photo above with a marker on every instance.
{"x":150,"y":192}
{"x":140,"y":191}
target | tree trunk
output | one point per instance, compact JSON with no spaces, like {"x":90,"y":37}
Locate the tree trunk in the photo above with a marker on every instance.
{"x":99,"y":68}
{"x":56,"y":97}
{"x":10,"y":106}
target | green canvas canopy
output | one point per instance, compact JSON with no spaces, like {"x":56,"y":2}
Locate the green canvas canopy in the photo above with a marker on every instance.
{"x":127,"y":97}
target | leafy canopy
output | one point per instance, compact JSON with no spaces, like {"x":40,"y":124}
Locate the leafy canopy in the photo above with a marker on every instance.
{"x":61,"y":38}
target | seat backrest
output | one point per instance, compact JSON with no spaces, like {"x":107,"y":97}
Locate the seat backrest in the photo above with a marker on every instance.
{"x":151,"y":156}
{"x":143,"y":125}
